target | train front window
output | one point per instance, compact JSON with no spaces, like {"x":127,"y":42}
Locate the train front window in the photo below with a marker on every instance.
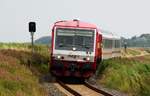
{"x":81,"y":39}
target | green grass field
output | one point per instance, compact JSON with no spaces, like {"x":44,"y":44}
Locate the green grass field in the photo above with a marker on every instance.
{"x":128,"y":75}
{"x":16,"y":77}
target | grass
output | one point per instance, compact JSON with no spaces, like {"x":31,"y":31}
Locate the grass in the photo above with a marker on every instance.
{"x":16,"y":78}
{"x":38,"y":61}
{"x":147,"y":50}
{"x":38,"y":48}
{"x":129,"y":75}
{"x":132,"y":52}
{"x":22,"y":51}
{"x":18,"y":46}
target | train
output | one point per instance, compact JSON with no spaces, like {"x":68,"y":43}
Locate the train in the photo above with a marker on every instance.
{"x":77,"y":48}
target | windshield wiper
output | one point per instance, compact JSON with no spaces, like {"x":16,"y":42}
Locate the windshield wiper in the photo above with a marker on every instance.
{"x":61,"y":45}
{"x":87,"y":47}
{"x":83,"y":45}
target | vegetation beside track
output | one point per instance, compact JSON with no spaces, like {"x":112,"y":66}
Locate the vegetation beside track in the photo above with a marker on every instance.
{"x":129,"y":75}
{"x":19,"y":71}
{"x":147,"y":50}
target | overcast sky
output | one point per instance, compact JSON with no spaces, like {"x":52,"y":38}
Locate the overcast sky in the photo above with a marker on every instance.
{"x":123,"y":17}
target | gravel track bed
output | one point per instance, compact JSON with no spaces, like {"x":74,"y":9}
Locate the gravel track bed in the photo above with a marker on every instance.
{"x":47,"y":82}
{"x":52,"y":90}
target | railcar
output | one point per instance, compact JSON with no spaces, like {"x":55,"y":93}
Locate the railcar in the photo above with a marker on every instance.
{"x":111,"y":45}
{"x":77,"y":48}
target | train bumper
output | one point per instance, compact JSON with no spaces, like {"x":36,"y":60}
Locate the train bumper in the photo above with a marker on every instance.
{"x":75,"y":69}
{"x":72,"y":74}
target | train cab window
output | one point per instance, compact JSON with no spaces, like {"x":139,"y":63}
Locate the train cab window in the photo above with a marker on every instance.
{"x":81,"y":39}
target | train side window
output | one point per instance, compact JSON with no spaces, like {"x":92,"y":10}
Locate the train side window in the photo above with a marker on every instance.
{"x":107,"y":43}
{"x":117,"y":43}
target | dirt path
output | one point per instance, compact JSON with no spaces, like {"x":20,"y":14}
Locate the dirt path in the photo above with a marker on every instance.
{"x":130,"y":52}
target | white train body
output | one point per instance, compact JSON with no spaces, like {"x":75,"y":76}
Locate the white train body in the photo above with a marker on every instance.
{"x":111,"y":45}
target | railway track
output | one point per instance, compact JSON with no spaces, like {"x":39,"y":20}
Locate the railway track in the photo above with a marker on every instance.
{"x":84,"y":89}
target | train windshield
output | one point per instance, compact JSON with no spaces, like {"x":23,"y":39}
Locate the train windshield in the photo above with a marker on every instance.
{"x":79,"y":39}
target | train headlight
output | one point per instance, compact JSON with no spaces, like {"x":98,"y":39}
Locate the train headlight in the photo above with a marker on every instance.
{"x":88,"y":58}
{"x":58,"y":57}
{"x":74,"y":49}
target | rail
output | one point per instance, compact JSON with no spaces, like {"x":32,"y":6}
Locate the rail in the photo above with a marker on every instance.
{"x":76,"y":92}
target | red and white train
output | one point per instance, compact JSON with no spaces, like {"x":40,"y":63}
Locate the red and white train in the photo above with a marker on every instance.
{"x":78,"y":48}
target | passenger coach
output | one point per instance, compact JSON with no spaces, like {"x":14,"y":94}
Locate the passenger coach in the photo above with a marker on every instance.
{"x":111,"y":45}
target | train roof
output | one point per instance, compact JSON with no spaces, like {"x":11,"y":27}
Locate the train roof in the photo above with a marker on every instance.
{"x":75,"y":23}
{"x":107,"y":34}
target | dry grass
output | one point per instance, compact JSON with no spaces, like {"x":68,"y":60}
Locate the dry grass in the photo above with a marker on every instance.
{"x":132,"y":52}
{"x":16,"y":78}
